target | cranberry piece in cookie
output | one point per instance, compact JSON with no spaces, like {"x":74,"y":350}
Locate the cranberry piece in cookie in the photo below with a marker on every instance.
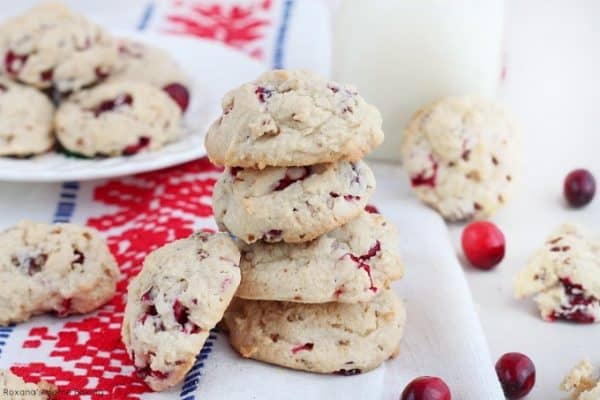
{"x":561,"y":276}
{"x":179,"y":94}
{"x":178,"y":297}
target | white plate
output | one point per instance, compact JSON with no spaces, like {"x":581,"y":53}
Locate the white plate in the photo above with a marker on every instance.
{"x":213,"y":69}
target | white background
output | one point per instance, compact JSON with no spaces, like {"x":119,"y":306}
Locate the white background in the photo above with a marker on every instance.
{"x":553,"y":86}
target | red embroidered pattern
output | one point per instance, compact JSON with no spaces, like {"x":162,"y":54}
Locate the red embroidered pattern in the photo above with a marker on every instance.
{"x":235,"y":25}
{"x":151,"y":210}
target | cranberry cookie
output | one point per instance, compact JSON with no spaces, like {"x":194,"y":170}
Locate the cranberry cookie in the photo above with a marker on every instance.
{"x":326,"y":338}
{"x":50,"y":46}
{"x":564,"y":275}
{"x":292,"y":118}
{"x":582,"y":382}
{"x":294,"y":204}
{"x":26,"y":117}
{"x":63,"y":268}
{"x":12,"y":387}
{"x":350,"y":264}
{"x":180,"y":295}
{"x":462,"y":155}
{"x":142,"y":62}
{"x":118,"y":118}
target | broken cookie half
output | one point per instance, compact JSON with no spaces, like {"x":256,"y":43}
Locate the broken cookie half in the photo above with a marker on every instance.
{"x":178,"y":297}
{"x":564,"y":276}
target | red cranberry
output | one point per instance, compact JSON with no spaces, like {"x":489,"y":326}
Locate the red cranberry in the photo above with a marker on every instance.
{"x":516,"y":373}
{"x":579,"y":187}
{"x":292,"y":175}
{"x":109,"y":105}
{"x":13,"y":63}
{"x":179,"y":94}
{"x":143,"y":142}
{"x":483,"y":244}
{"x":303,"y":347}
{"x":371,"y":209}
{"x":263,"y":93}
{"x":47,"y":75}
{"x":181,"y":313}
{"x":348,"y":372}
{"x":426,"y":388}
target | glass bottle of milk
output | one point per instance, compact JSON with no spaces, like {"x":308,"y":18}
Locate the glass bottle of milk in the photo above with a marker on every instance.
{"x":403,"y":54}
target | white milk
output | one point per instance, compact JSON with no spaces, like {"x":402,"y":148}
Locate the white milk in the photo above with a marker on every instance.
{"x":402,"y":54}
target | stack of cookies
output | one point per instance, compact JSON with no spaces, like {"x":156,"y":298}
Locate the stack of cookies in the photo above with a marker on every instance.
{"x":316,"y":266}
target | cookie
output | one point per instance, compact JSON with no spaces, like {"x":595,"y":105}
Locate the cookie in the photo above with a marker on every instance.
{"x":294,"y":204}
{"x":564,"y":276}
{"x":325,"y":338}
{"x":51,"y":46}
{"x":13,"y":387}
{"x":582,"y":382}
{"x":119,"y":118}
{"x":26,"y":118}
{"x":462,"y":155}
{"x":143,"y":62}
{"x":180,"y":295}
{"x":61,"y":268}
{"x":350,"y":264}
{"x":292,"y":118}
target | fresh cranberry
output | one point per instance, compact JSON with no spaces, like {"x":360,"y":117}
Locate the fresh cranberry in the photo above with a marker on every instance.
{"x":579,"y":187}
{"x":516,"y":373}
{"x":180,"y":94}
{"x":483,"y":244}
{"x":109,"y":105}
{"x":426,"y":388}
{"x":292,"y":175}
{"x":143,"y":142}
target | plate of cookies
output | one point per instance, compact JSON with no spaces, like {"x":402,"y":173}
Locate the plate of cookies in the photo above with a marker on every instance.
{"x":78,"y":102}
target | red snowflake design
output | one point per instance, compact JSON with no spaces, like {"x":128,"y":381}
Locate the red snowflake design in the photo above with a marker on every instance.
{"x":151,"y":209}
{"x":235,"y":25}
